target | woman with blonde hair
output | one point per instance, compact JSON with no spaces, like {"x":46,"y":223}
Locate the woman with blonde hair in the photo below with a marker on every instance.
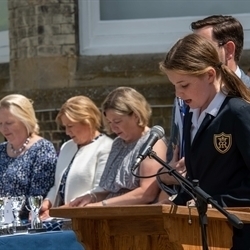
{"x":28,"y":161}
{"x":81,"y":159}
{"x":126,"y":113}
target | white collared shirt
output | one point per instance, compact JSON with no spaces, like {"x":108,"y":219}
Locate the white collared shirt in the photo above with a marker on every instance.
{"x":212,"y":109}
{"x":238,"y":72}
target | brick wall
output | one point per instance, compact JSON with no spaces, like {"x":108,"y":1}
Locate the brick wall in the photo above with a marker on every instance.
{"x":43,"y":43}
{"x":48,"y":127}
{"x":51,"y":131}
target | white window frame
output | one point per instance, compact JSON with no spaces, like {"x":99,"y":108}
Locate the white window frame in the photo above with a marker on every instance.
{"x":4,"y":47}
{"x":135,"y":36}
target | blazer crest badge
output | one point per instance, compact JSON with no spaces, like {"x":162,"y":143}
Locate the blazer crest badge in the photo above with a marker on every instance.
{"x":222,"y":142}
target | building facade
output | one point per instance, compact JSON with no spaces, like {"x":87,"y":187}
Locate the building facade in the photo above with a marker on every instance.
{"x":55,"y":49}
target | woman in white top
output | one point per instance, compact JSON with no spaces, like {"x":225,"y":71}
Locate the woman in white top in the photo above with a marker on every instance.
{"x":82,"y":159}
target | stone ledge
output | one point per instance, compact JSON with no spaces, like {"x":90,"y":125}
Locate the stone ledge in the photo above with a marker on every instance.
{"x":157,"y":94}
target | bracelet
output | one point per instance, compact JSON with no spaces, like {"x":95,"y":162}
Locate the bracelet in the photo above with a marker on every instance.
{"x":93,"y":197}
{"x":104,"y":203}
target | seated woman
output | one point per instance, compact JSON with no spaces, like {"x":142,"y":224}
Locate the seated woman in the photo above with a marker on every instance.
{"x":28,"y":161}
{"x":126,"y":113}
{"x":82,"y":159}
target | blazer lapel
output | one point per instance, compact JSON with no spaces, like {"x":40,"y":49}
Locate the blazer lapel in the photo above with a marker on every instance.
{"x":186,"y":132}
{"x":187,"y":135}
{"x":187,"y":140}
{"x":207,"y":120}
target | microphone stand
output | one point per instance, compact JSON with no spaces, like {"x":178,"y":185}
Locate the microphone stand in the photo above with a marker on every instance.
{"x":202,"y":200}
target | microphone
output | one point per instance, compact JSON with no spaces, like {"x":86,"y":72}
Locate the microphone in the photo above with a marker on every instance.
{"x":156,"y":133}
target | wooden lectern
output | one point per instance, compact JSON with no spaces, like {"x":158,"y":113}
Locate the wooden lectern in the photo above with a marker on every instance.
{"x":148,"y":227}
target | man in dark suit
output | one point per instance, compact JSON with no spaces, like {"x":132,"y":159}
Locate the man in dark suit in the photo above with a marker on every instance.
{"x":226,"y":33}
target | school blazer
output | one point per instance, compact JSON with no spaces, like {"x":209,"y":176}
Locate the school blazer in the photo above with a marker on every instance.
{"x":219,"y":156}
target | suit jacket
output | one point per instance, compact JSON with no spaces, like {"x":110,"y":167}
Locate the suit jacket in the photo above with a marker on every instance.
{"x":219,"y":156}
{"x":245,"y":78}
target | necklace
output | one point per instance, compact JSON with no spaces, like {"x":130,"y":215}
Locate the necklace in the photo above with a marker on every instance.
{"x":21,"y":149}
{"x":82,"y":145}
